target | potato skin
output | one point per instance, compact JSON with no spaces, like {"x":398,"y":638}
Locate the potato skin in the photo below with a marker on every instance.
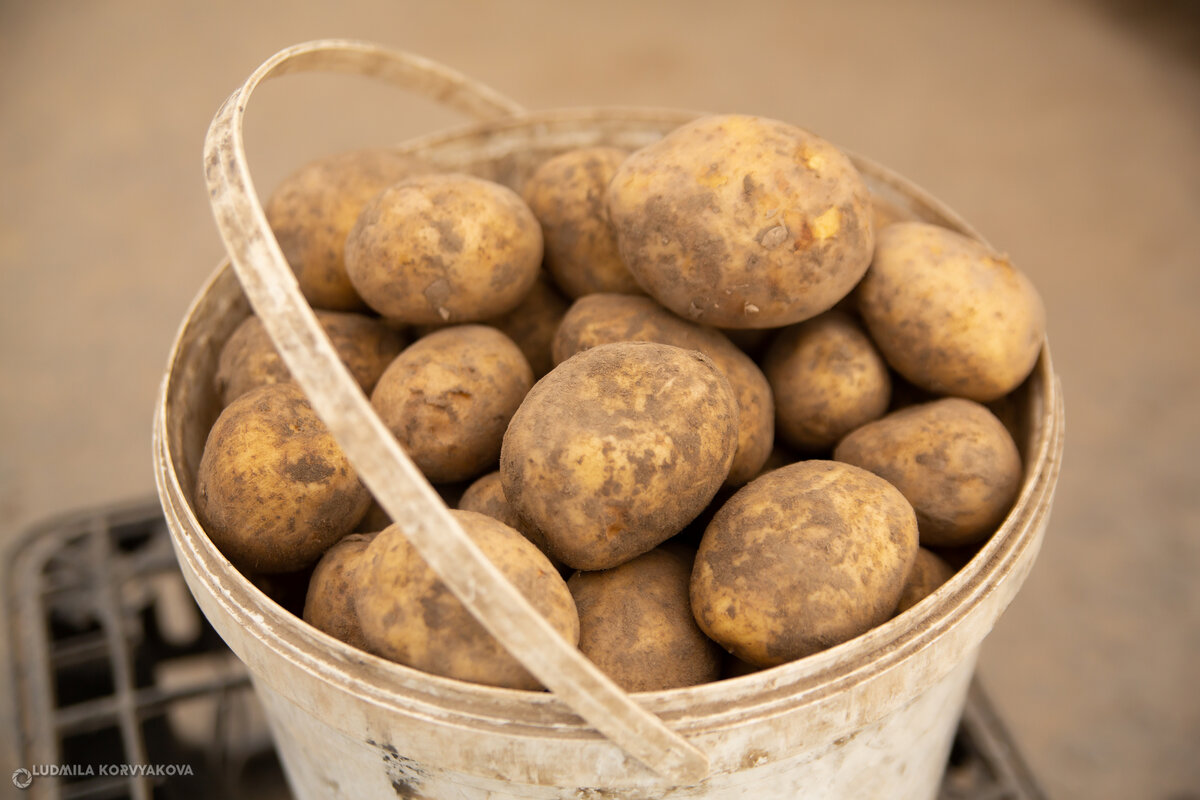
{"x":801,"y":559}
{"x":742,"y":222}
{"x":950,"y":315}
{"x":408,"y":615}
{"x":273,"y":489}
{"x":618,"y":448}
{"x":827,"y":379}
{"x":928,"y":573}
{"x":952,"y":458}
{"x":636,"y":623}
{"x":249,"y":358}
{"x":329,"y":603}
{"x":444,"y":248}
{"x":567,"y":194}
{"x":449,"y":397}
{"x":531,"y":325}
{"x":486,"y":496}
{"x":605,"y":318}
{"x":312,"y":211}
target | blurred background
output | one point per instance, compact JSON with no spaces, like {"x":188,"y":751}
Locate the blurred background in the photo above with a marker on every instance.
{"x":1066,"y":131}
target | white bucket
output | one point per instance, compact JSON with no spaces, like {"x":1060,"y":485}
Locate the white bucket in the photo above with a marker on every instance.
{"x":870,"y":718}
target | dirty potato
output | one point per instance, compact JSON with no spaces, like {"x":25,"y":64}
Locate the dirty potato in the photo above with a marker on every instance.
{"x":952,"y":458}
{"x":249,"y":358}
{"x":486,"y":496}
{"x":742,"y":222}
{"x":408,"y":615}
{"x":827,"y":379}
{"x":606,"y":318}
{"x":273,"y":489}
{"x":312,"y":211}
{"x":531,"y":325}
{"x":448,"y":399}
{"x":567,"y":195}
{"x":618,"y":448}
{"x":636,"y":623}
{"x":801,"y":559}
{"x":928,"y":572}
{"x":949,"y":314}
{"x":329,"y":603}
{"x":444,"y":248}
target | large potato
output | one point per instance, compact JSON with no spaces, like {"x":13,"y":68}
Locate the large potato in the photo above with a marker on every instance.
{"x":444,"y":248}
{"x":952,"y":458}
{"x":618,"y":448}
{"x":605,"y":318}
{"x":312,"y":211}
{"x":567,"y":195}
{"x":949,"y":314}
{"x":273,"y":489}
{"x":636,"y":623}
{"x":408,"y":615}
{"x":827,"y":379}
{"x":742,"y":222}
{"x":249,"y":358}
{"x":448,"y":399}
{"x":801,"y":559}
{"x":329,"y":602}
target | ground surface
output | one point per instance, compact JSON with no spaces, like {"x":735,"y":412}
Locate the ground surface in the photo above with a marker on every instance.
{"x":1067,"y":132}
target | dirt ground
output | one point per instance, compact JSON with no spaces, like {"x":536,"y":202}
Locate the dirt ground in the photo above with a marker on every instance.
{"x":1067,"y":131}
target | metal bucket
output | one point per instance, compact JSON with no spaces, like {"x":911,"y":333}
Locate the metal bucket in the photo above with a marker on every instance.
{"x":872,"y":717}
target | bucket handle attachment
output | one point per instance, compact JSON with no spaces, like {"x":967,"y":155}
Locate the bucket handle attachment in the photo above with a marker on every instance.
{"x":381,"y":462}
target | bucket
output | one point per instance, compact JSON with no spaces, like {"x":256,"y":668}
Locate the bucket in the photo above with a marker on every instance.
{"x":870,"y":718}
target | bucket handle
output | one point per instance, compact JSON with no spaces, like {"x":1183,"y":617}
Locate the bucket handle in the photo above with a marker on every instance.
{"x":381,"y":462}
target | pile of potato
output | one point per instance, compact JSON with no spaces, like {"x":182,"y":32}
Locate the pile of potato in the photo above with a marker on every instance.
{"x":705,"y":404}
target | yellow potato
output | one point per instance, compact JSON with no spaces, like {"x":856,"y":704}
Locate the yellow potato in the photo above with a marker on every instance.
{"x":827,"y":379}
{"x":742,"y":222}
{"x":312,"y":211}
{"x":329,"y":603}
{"x":531,"y":325}
{"x":636,"y":623}
{"x":929,"y":572}
{"x":952,"y":458}
{"x":949,"y":314}
{"x":618,"y":448}
{"x":801,"y":559}
{"x":486,"y":496}
{"x":567,"y":193}
{"x":273,"y":489}
{"x":408,"y":615}
{"x":606,"y":318}
{"x":444,"y":248}
{"x":249,"y":357}
{"x":448,"y":399}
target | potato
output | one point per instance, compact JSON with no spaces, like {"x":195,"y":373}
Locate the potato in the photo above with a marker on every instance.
{"x":273,"y":489}
{"x":952,"y":458}
{"x":618,"y":448}
{"x":531,"y":325}
{"x":801,"y":559}
{"x":606,"y":318}
{"x":329,"y":603}
{"x":486,"y":496}
{"x":448,"y":399}
{"x":567,"y":195}
{"x":827,"y":379}
{"x":742,"y":222}
{"x":950,"y":315}
{"x":928,"y":572}
{"x":444,"y":248}
{"x":249,"y":357}
{"x":312,"y":211}
{"x":408,"y":615}
{"x":636,"y":623}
